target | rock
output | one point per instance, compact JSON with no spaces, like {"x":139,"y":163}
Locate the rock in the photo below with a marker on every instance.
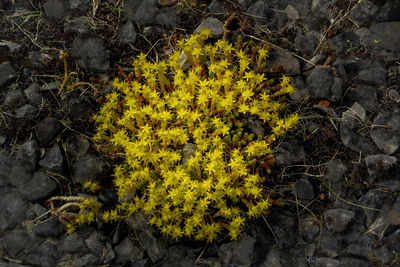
{"x":364,"y":94}
{"x":375,"y":74}
{"x":33,"y":95}
{"x":168,"y":17}
{"x":345,"y":42}
{"x":321,"y":8}
{"x":154,"y":247}
{"x":90,"y":53}
{"x":49,"y":86}
{"x":7,"y":74}
{"x":139,"y":222}
{"x":14,"y":98}
{"x":240,"y":252}
{"x":363,"y":13}
{"x":362,"y":247}
{"x":316,"y":60}
{"x":188,"y":151}
{"x":256,"y":126}
{"x":13,"y":209}
{"x":356,"y":112}
{"x":79,"y":25}
{"x":48,"y":228}
{"x":272,"y":258}
{"x":10,"y":46}
{"x":392,"y":185}
{"x":394,"y":95}
{"x":77,"y":146}
{"x":385,"y":131}
{"x":81,"y":5}
{"x":380,"y":40}
{"x":180,"y":255}
{"x":80,"y":108}
{"x":262,"y":13}
{"x":244,"y":3}
{"x":47,"y":130}
{"x":38,"y":58}
{"x":372,"y":199}
{"x":53,"y":160}
{"x":19,"y":242}
{"x":26,"y":112}
{"x":2,"y":141}
{"x":56,"y":9}
{"x":334,"y":176}
{"x":326,"y":262}
{"x":184,"y":63}
{"x":338,"y":219}
{"x":86,"y":168}
{"x":88,"y":260}
{"x":141,"y":263}
{"x":285,"y":227}
{"x":323,"y":85}
{"x":285,"y":58}
{"x":29,"y":154}
{"x":353,"y":262}
{"x":301,"y":92}
{"x":214,"y":25}
{"x":310,"y":233}
{"x":127,"y":34}
{"x":127,"y":250}
{"x":331,"y":244}
{"x":73,"y":243}
{"x":378,"y":163}
{"x":295,"y":256}
{"x":290,"y":152}
{"x":19,"y":173}
{"x":95,"y":242}
{"x":388,"y":253}
{"x":45,"y":255}
{"x":307,"y":44}
{"x":313,"y":23}
{"x":141,"y":12}
{"x":389,"y":12}
{"x":216,"y":7}
{"x":39,"y":187}
{"x":304,"y":189}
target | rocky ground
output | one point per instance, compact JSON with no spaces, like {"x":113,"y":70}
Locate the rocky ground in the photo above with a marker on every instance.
{"x":338,"y":172}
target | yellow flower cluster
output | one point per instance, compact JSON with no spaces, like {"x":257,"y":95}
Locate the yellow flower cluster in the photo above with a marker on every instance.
{"x":161,"y":109}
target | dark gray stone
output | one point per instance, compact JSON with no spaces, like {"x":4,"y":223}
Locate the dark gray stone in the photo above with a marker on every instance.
{"x":301,"y":92}
{"x":326,"y":262}
{"x":304,"y":189}
{"x":13,"y":209}
{"x":29,"y":154}
{"x":381,"y":40}
{"x":7,"y":74}
{"x":334,"y":177}
{"x":362,"y":247}
{"x":38,"y":58}
{"x":353,"y":262}
{"x":127,"y":250}
{"x":214,"y":25}
{"x":53,"y":160}
{"x":331,"y":244}
{"x":364,"y":94}
{"x":310,"y":233}
{"x":290,"y":152}
{"x":338,"y":219}
{"x":321,"y":8}
{"x":80,"y":108}
{"x":90,"y":53}
{"x":374,"y":75}
{"x":9,"y":46}
{"x":285,"y":227}
{"x":243,"y":253}
{"x":73,"y":243}
{"x":79,"y":25}
{"x":216,"y":7}
{"x":14,"y":98}
{"x":363,"y":13}
{"x":39,"y":187}
{"x":81,"y":5}
{"x":77,"y":146}
{"x":385,"y":131}
{"x":95,"y":242}
{"x":345,"y":42}
{"x":2,"y":141}
{"x":394,"y":95}
{"x":49,"y":86}
{"x":285,"y":58}
{"x":139,"y":222}
{"x":378,"y":163}
{"x":188,"y":151}
{"x":262,"y":13}
{"x":47,"y":130}
{"x":56,"y":9}
{"x":128,"y":33}
{"x":295,"y":256}
{"x":307,"y":43}
{"x":88,"y":260}
{"x":141,"y":12}
{"x":323,"y":85}
{"x":18,"y":173}
{"x":19,"y":242}
{"x":26,"y":112}
{"x":168,"y":17}
{"x":88,"y":167}
{"x":256,"y":126}
{"x":48,"y":228}
{"x":389,"y":12}
{"x":45,"y":255}
{"x":154,"y":247}
{"x":372,"y":199}
{"x":33,"y":95}
{"x":141,"y":263}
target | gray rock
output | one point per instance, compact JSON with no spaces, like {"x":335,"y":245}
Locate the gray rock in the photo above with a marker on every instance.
{"x":88,"y":260}
{"x":49,"y":86}
{"x":53,"y":160}
{"x":290,"y":152}
{"x":90,"y":53}
{"x":7,"y":74}
{"x":38,"y":58}
{"x":307,"y":43}
{"x":378,"y":163}
{"x":48,"y":228}
{"x":29,"y":154}
{"x":285,"y":227}
{"x":39,"y":187}
{"x":139,"y":222}
{"x":331,"y":244}
{"x":364,"y":94}
{"x":244,"y":3}
{"x":56,"y":9}
{"x":88,"y":167}
{"x":389,"y":12}
{"x":188,"y":151}
{"x":394,"y":95}
{"x":363,"y":13}
{"x":326,"y":262}
{"x":321,"y":8}
{"x":353,"y":262}
{"x":26,"y":112}
{"x":375,"y":74}
{"x":13,"y":209}
{"x":392,"y":185}
{"x":240,"y":252}
{"x":45,"y":255}
{"x":216,"y":7}
{"x":323,"y":85}
{"x":301,"y":92}
{"x":141,"y":12}
{"x":285,"y":58}
{"x":310,"y":233}
{"x":141,"y":263}
{"x":127,"y":250}
{"x":256,"y":126}
{"x":385,"y":131}
{"x":262,"y":13}
{"x":81,"y":5}
{"x":12,"y":47}
{"x":168,"y":17}
{"x":345,"y":42}
{"x":304,"y":190}
{"x":184,"y":63}
{"x":77,"y":146}
{"x":127,"y":34}
{"x":14,"y":98}
{"x":73,"y":243}
{"x":362,"y":247}
{"x":18,"y":242}
{"x":356,"y":112}
{"x":372,"y":199}
{"x":313,"y":23}
{"x":19,"y":173}
{"x":316,"y":60}
{"x":214,"y":25}
{"x":334,"y":177}
{"x":2,"y":141}
{"x":33,"y":95}
{"x":47,"y":130}
{"x":338,"y":219}
{"x":95,"y":242}
{"x":80,"y":108}
{"x":107,"y":254}
{"x":295,"y":256}
{"x":381,"y":40}
{"x":79,"y":25}
{"x":154,"y":247}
